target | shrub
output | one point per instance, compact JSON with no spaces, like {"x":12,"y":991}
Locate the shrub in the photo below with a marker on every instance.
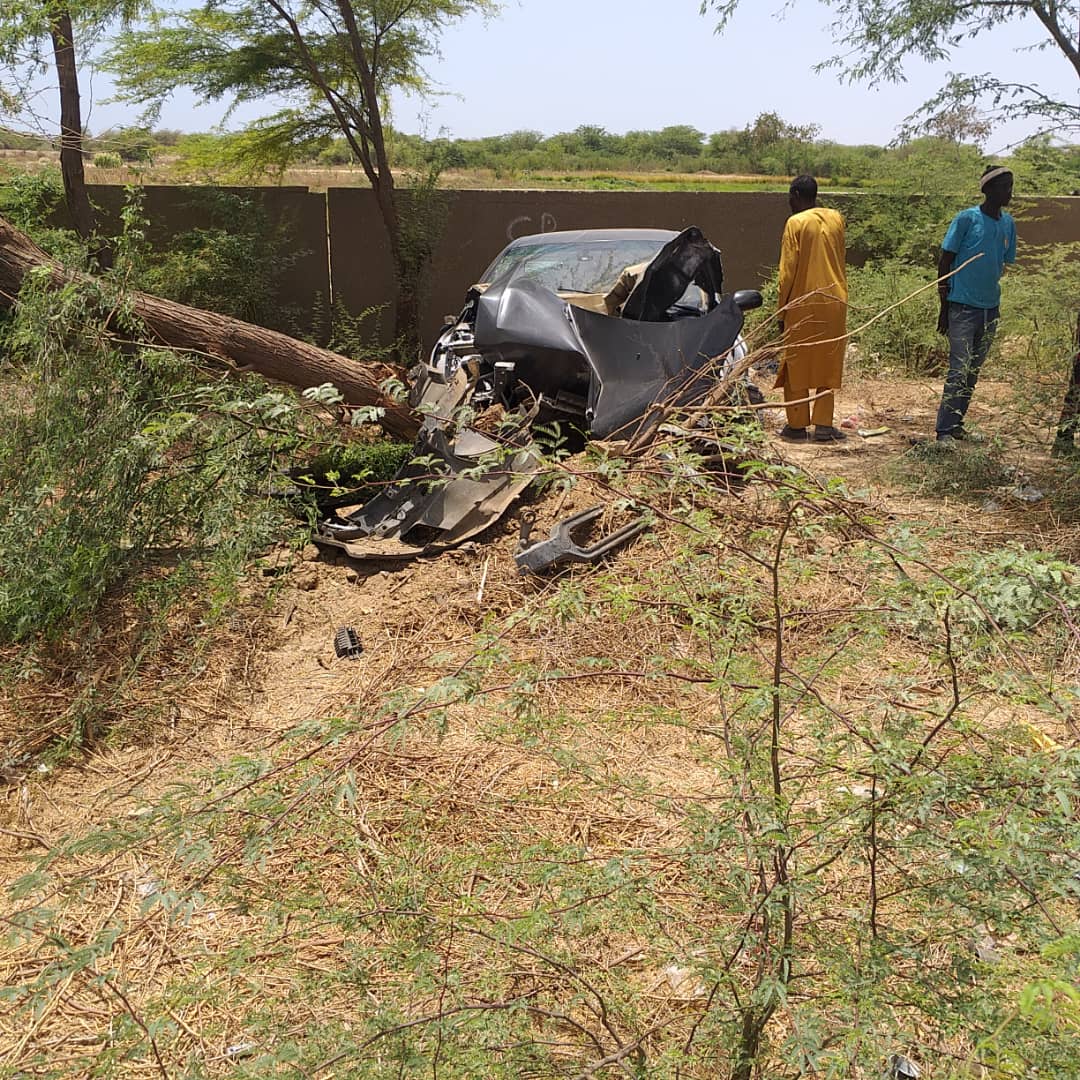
{"x":32,"y":202}
{"x":232,"y":265}
{"x":350,"y":472}
{"x":337,"y":153}
{"x":107,"y":159}
{"x":133,"y":145}
{"x":902,"y":337}
{"x":110,"y":454}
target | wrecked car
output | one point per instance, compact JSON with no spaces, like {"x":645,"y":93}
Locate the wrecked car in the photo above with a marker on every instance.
{"x":574,"y":332}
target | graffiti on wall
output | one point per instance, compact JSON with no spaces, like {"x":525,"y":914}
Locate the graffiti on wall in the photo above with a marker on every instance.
{"x":523,"y":226}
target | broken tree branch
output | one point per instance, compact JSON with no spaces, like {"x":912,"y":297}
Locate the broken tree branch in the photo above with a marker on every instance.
{"x":242,"y":344}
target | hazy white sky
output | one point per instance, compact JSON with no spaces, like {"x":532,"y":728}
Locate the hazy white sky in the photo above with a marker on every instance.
{"x":551,"y":65}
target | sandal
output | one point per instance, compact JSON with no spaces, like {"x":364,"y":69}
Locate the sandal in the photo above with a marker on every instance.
{"x":828,"y":434}
{"x":794,"y":434}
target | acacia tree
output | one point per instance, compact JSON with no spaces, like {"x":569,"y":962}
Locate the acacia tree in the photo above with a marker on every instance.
{"x":34,"y":34}
{"x":772,"y":137}
{"x":332,"y":65}
{"x":878,"y":37}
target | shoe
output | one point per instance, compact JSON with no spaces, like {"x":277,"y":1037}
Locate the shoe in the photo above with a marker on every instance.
{"x":828,"y":434}
{"x":964,"y":435}
{"x":947,"y":438}
{"x":794,"y":434}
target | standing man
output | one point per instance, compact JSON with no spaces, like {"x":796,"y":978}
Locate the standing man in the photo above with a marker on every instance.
{"x":970,"y":298}
{"x":813,"y":313}
{"x":1065,"y":443}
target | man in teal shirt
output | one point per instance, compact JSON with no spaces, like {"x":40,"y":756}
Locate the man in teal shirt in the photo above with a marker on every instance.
{"x":970,"y":299}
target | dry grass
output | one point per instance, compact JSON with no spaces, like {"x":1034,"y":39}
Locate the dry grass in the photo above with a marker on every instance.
{"x":519,"y":836}
{"x":169,"y":169}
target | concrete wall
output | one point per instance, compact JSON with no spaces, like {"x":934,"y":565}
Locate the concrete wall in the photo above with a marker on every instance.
{"x":299,"y":213}
{"x":340,"y":246}
{"x":746,"y":226}
{"x":1046,"y":221}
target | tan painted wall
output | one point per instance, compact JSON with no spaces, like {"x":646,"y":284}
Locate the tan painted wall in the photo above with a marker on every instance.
{"x":1046,"y":221}
{"x":300,"y":213}
{"x":746,"y":226}
{"x":354,"y":259}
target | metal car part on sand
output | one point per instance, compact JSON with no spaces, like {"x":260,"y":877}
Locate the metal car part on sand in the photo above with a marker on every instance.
{"x":561,"y":547}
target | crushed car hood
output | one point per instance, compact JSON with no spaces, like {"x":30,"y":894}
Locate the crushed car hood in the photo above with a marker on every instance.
{"x":534,"y":357}
{"x":631,"y":364}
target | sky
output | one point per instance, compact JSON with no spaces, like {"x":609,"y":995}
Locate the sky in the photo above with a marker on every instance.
{"x":552,"y":65}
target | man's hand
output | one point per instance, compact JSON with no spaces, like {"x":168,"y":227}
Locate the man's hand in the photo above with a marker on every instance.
{"x":780,"y":325}
{"x":943,"y":317}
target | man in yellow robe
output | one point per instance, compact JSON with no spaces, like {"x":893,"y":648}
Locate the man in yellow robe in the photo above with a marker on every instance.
{"x":813,"y":313}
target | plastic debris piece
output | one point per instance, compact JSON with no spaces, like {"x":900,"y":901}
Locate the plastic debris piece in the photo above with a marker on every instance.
{"x":872,"y":433}
{"x":560,"y":547}
{"x":237,"y":1050}
{"x":862,"y":791}
{"x":986,"y":949}
{"x":347,"y":643}
{"x":684,"y":982}
{"x":1027,"y":493}
{"x":902,"y":1068}
{"x":145,"y":889}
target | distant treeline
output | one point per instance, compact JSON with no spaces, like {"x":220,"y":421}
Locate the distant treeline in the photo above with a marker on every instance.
{"x":769,"y":147}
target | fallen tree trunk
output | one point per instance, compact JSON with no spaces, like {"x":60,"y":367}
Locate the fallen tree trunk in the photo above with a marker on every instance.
{"x":246,"y":346}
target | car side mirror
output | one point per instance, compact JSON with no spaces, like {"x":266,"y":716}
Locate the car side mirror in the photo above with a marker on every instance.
{"x":747,"y":299}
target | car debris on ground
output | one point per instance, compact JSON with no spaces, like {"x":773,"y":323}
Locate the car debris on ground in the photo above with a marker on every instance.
{"x":561,"y":547}
{"x":576,"y":332}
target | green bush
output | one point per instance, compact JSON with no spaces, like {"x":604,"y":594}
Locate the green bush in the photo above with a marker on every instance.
{"x":107,"y":159}
{"x":110,"y":454}
{"x":891,"y":336}
{"x":32,"y":202}
{"x":337,"y":153}
{"x":350,"y":471}
{"x":232,"y":265}
{"x":134,"y":145}
{"x":1039,"y":306}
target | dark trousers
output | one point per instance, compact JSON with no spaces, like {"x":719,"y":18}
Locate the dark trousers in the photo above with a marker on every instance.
{"x":971,"y":333}
{"x":1069,"y":423}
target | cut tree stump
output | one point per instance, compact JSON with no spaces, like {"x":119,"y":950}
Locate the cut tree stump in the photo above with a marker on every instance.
{"x":242,"y":344}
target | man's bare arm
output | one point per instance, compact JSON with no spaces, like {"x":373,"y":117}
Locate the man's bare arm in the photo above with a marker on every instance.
{"x":944,"y":266}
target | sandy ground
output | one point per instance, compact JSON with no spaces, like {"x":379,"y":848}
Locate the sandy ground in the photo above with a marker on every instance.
{"x":274,"y":665}
{"x":287,"y":665}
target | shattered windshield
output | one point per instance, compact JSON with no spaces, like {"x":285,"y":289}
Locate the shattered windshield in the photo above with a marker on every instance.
{"x":584,"y":266}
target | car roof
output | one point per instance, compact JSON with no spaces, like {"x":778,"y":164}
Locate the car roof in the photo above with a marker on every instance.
{"x":571,"y":236}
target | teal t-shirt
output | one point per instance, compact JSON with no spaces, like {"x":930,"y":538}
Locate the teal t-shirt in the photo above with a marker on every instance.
{"x":974,"y":233}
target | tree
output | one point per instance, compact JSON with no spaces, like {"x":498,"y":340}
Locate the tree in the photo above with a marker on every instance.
{"x":242,"y":344}
{"x":594,"y":138}
{"x":772,"y":144}
{"x":332,"y":62}
{"x":27,"y":29}
{"x":878,"y":37}
{"x":960,"y":123}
